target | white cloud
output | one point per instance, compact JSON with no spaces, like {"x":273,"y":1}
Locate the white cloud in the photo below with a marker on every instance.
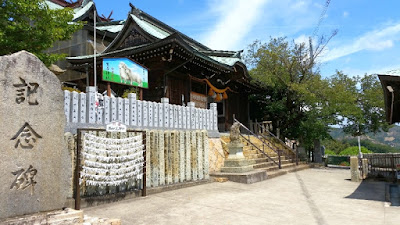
{"x":376,"y":40}
{"x":302,"y":39}
{"x":239,"y":22}
{"x":345,"y":14}
{"x":235,"y":19}
{"x":390,"y":70}
{"x":351,"y":71}
{"x":306,"y":40}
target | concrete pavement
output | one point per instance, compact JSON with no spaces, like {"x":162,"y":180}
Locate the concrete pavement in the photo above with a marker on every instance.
{"x":313,"y":196}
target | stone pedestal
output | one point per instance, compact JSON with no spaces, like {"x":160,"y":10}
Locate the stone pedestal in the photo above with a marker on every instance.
{"x":239,"y":169}
{"x":66,"y":217}
{"x":236,"y":162}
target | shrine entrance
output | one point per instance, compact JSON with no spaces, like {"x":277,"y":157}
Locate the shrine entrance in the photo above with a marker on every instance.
{"x":176,"y":91}
{"x":109,"y":164}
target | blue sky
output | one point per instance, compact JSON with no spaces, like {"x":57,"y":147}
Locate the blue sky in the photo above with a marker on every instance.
{"x":368,"y":40}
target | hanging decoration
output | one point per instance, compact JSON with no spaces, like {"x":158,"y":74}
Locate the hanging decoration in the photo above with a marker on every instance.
{"x":217,"y":94}
{"x":111,"y":162}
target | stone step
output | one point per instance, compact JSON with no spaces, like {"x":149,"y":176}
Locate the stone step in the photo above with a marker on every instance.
{"x":283,"y":171}
{"x":283,"y":165}
{"x":252,"y":148}
{"x":249,"y":151}
{"x":260,"y":160}
{"x":261,"y":155}
{"x":269,"y":164}
{"x":246,"y":178}
{"x":263,"y":165}
{"x":255,"y":156}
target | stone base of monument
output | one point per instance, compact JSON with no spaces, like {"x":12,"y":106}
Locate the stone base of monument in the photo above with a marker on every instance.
{"x":65,"y":217}
{"x":239,"y":169}
{"x":237,"y":165}
{"x":250,"y":177}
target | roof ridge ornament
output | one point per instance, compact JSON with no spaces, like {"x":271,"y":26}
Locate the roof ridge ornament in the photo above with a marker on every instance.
{"x":134,"y":10}
{"x":238,"y":54}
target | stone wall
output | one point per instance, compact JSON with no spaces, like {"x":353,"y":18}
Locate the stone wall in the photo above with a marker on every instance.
{"x":216,"y":155}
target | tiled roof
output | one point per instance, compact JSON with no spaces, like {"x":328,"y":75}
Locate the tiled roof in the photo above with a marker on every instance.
{"x":80,"y":11}
{"x":224,"y":57}
{"x":111,"y":28}
{"x":226,"y":60}
{"x":150,"y":28}
{"x":53,"y":5}
{"x":158,"y":30}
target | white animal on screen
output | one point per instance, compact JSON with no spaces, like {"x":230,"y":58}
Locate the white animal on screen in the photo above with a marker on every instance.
{"x":128,"y":75}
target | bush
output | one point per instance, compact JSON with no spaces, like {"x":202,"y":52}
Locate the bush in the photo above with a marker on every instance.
{"x":329,"y":152}
{"x":70,"y":89}
{"x":131,"y":90}
{"x":353,"y":150}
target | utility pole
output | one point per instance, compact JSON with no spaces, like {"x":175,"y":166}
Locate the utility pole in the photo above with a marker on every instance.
{"x":311,"y":54}
{"x":94,"y":50}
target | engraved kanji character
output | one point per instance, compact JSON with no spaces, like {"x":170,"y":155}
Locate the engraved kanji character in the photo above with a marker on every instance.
{"x":24,"y":179}
{"x":26,"y":90}
{"x":25,"y":137}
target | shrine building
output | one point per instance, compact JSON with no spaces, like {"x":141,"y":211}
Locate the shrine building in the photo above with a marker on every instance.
{"x":179,"y":67}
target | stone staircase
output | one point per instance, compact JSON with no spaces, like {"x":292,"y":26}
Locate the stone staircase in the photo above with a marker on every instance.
{"x":261,"y":162}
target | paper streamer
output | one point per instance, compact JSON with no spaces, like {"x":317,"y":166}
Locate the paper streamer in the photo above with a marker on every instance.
{"x":110,"y":161}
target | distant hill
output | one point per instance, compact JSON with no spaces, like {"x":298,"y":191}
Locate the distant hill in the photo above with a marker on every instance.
{"x":391,"y":138}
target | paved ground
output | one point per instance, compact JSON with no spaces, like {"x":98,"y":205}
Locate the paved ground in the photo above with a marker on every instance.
{"x":313,"y":196}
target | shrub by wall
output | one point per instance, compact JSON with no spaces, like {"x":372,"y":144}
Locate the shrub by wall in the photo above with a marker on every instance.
{"x":354,"y":151}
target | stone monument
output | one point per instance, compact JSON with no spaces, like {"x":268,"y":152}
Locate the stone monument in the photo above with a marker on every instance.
{"x":34,"y":159}
{"x":236,"y":162}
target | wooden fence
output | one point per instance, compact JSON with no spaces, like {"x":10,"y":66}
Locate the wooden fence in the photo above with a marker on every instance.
{"x":81,"y":110}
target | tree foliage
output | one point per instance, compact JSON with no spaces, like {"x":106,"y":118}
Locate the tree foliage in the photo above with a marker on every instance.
{"x":30,"y":25}
{"x":302,"y":103}
{"x":297,"y":99}
{"x":336,"y":146}
{"x":367,"y":114}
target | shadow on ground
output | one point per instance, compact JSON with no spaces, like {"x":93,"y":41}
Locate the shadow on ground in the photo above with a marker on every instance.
{"x":369,"y":190}
{"x":394,"y":194}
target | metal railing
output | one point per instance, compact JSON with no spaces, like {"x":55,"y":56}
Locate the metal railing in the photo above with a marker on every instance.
{"x":279,"y":163}
{"x":289,"y":153}
{"x":382,"y":164}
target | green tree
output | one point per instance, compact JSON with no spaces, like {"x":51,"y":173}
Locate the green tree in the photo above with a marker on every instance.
{"x":367,"y":114}
{"x":335,"y":145}
{"x":302,"y":103}
{"x":30,"y":25}
{"x":297,"y":100}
